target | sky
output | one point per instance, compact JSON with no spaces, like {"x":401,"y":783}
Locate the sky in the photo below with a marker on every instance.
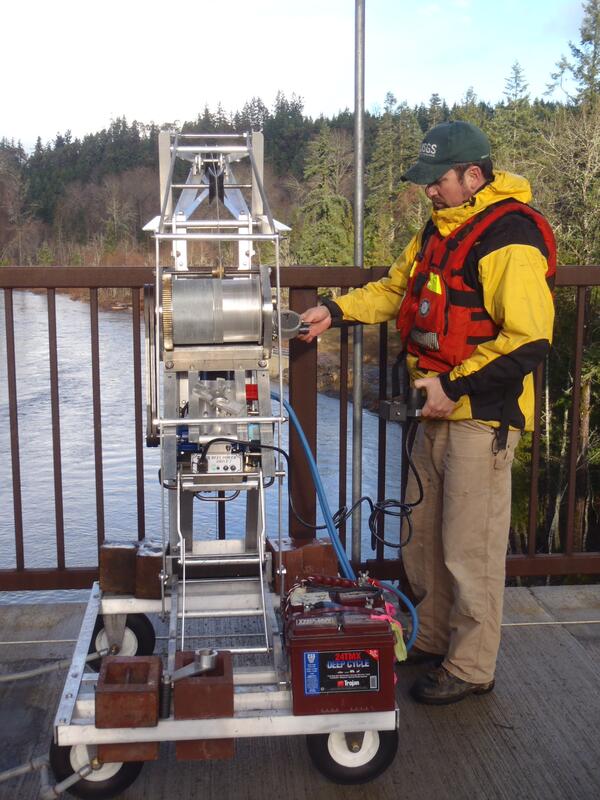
{"x":75,"y":65}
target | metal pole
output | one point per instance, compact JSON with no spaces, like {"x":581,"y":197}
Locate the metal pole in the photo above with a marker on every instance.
{"x":359,"y":158}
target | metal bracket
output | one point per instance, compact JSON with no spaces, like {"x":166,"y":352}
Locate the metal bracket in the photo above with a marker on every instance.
{"x":114,"y":627}
{"x":399,"y":409}
{"x":204,"y":661}
{"x":393,"y":410}
{"x":354,"y":740}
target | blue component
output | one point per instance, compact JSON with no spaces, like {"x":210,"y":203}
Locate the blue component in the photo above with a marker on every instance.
{"x":187,"y":447}
{"x":183,"y":443}
{"x":344,"y":562}
{"x":312,"y":683}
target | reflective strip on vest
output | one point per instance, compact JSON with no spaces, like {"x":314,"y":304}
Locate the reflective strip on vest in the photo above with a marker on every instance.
{"x":425,"y":339}
{"x":434,"y":283}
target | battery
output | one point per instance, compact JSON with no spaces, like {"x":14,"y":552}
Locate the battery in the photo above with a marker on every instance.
{"x":341,"y":663}
{"x":360,"y":597}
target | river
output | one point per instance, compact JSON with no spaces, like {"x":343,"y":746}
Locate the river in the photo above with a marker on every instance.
{"x":118,"y":438}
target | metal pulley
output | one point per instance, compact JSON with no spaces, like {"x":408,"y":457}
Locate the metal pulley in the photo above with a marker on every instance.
{"x":291,"y":324}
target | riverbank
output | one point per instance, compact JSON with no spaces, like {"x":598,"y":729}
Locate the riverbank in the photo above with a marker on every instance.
{"x":329,"y":374}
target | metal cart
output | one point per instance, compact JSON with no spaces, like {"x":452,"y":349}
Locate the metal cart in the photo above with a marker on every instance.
{"x":210,"y":334}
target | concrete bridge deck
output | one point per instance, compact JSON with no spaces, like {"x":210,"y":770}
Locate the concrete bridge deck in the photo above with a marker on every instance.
{"x":536,"y":736}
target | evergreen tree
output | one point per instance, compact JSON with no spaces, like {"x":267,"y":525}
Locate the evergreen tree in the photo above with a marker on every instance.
{"x":569,"y":159}
{"x":325,"y":236}
{"x":584,"y":65}
{"x":252,"y":116}
{"x":472,"y":110}
{"x":438,"y":110}
{"x":513,"y":123}
{"x":409,"y":137}
{"x":391,"y":203}
{"x":382,"y":180}
{"x":287,"y":132}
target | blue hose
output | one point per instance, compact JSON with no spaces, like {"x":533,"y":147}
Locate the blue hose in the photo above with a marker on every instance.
{"x":345,"y":565}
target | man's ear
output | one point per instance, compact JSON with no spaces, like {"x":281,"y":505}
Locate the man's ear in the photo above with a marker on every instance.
{"x":473,"y":178}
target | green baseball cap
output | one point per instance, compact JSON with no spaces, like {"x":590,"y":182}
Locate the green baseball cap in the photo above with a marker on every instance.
{"x":443,"y":147}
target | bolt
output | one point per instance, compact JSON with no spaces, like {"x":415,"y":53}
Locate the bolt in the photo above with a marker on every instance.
{"x":354,"y":747}
{"x":262,"y":363}
{"x":74,"y":674}
{"x":95,"y":763}
{"x":63,"y":720}
{"x":168,"y":365}
{"x":69,"y":695}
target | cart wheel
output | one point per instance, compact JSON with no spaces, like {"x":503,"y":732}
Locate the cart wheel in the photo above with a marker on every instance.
{"x":138,"y":638}
{"x":334,"y":759}
{"x":108,"y":781}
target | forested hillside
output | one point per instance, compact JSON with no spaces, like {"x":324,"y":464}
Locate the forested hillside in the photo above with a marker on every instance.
{"x":85,"y":201}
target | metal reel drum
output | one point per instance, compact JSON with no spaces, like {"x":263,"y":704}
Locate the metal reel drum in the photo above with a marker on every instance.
{"x":208,"y":311}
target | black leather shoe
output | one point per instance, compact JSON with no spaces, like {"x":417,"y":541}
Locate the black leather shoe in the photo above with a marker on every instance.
{"x":438,"y":687}
{"x":417,"y":656}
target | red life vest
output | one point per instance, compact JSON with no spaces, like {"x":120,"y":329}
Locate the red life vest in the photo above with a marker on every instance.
{"x":442,"y":319}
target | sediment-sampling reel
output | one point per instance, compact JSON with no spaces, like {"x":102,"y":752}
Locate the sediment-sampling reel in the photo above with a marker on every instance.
{"x":212,"y":318}
{"x":199,"y":310}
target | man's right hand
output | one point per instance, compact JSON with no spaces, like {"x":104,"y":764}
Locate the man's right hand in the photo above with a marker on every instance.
{"x":319,"y":319}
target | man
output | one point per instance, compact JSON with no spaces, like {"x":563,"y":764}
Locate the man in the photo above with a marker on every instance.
{"x":472,"y":297}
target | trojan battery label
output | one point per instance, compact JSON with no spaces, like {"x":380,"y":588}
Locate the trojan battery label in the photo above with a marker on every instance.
{"x":341,"y":671}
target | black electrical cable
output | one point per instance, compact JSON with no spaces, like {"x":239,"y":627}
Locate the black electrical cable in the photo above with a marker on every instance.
{"x":245,"y":445}
{"x":226,"y":499}
{"x":384,"y":507}
{"x":204,"y":448}
{"x":409,"y":441}
{"x":404,"y":509}
{"x":392,"y":508}
{"x":340,"y":516}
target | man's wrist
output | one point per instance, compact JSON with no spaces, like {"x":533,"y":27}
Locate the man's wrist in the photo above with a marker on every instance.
{"x":452,"y":389}
{"x":334,"y":310}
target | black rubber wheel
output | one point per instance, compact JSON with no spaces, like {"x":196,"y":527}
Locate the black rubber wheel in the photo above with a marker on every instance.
{"x":106,"y":782}
{"x":138,"y":640}
{"x":333,"y":758}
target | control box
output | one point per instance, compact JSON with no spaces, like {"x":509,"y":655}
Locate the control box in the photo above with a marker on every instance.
{"x":221,"y":458}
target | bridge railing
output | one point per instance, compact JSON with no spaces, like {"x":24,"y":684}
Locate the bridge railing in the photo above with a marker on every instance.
{"x":303,"y":283}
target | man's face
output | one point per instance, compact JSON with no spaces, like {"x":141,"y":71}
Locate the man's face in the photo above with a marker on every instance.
{"x":450,"y":190}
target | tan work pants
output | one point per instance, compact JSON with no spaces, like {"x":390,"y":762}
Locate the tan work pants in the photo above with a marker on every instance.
{"x":455,"y":561}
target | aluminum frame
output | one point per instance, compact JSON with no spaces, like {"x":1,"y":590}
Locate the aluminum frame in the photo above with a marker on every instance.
{"x":262,"y":695}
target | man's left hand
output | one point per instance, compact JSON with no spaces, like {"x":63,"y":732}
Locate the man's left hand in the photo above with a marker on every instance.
{"x":438,"y":403}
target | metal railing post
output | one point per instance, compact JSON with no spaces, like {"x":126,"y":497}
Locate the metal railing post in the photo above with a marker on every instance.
{"x":357,"y":393}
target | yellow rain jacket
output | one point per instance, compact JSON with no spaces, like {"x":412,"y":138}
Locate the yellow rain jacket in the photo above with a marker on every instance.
{"x":495,"y":383}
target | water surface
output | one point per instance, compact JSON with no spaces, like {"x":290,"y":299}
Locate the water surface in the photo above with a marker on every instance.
{"x":118,"y":439}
